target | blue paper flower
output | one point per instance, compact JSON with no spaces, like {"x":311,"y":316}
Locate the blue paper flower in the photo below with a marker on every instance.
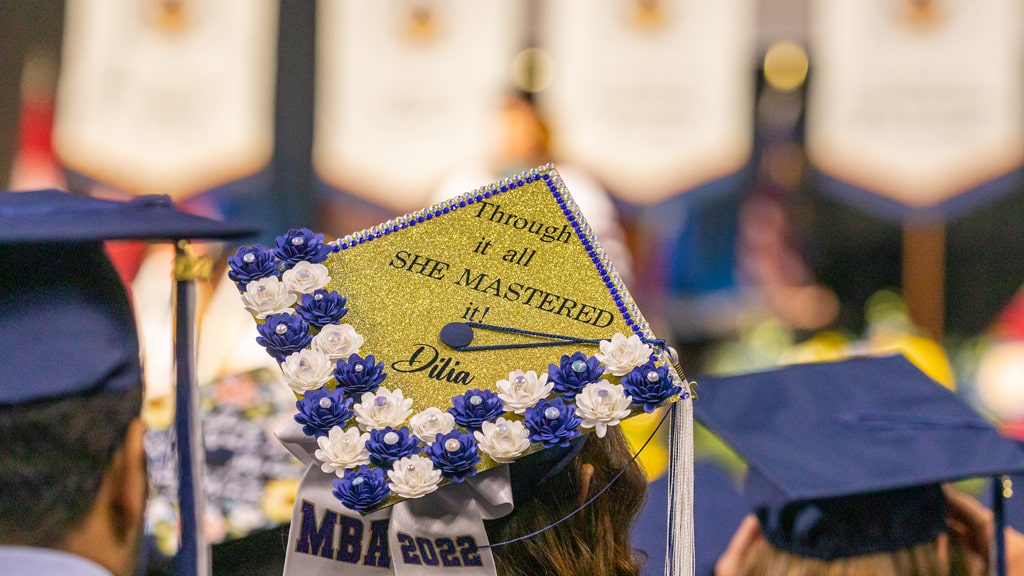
{"x":283,"y":334}
{"x":357,"y":376}
{"x":552,"y":422}
{"x":455,"y":454}
{"x":322,"y":307}
{"x":573,"y":373}
{"x":650,"y":386}
{"x":301,"y":245}
{"x":252,"y":263}
{"x":320,"y":410}
{"x":476,"y":407}
{"x":387,"y":445}
{"x":362,"y":488}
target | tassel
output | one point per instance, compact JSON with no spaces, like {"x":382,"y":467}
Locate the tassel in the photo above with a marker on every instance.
{"x":679,"y":558}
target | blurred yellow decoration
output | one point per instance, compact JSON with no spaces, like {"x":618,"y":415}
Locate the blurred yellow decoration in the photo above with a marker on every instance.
{"x":638,"y":429}
{"x":158,"y":412}
{"x":533,"y":70}
{"x":925,"y":353}
{"x":648,"y":13}
{"x":822,"y":347}
{"x":279,"y":499}
{"x":785,"y":66}
{"x":165,"y":534}
{"x":707,"y":446}
{"x":891,"y":331}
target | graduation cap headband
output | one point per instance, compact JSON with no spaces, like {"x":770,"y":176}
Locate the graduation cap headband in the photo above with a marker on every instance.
{"x":451,"y":340}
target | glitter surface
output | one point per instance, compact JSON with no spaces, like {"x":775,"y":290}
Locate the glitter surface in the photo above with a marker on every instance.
{"x":481,"y":257}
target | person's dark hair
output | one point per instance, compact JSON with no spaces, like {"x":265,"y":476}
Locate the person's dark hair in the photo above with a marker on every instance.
{"x":53,"y":458}
{"x":593,"y":542}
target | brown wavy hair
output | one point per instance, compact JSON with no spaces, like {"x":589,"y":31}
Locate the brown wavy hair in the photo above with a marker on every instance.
{"x":593,"y":542}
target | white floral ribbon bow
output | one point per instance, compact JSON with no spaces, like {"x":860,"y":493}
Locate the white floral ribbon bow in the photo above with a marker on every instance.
{"x":441,"y":533}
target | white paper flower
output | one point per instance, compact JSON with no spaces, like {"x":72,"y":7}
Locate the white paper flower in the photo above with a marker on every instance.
{"x":268,"y":296}
{"x":383,"y":408}
{"x":414,"y":476}
{"x":601,"y":404}
{"x":342,"y":449}
{"x":307,"y":370}
{"x":304,"y":277}
{"x":428,"y":424}
{"x":503,"y":440}
{"x":338,"y":341}
{"x":622,"y":354}
{"x":522,"y":390}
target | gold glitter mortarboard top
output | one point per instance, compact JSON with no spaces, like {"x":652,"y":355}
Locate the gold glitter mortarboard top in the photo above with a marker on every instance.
{"x":444,"y":342}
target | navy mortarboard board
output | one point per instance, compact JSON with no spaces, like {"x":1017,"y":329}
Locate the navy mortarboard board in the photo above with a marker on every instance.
{"x":846,"y":458}
{"x":432,"y":349}
{"x":53,"y":216}
{"x":67,"y":323}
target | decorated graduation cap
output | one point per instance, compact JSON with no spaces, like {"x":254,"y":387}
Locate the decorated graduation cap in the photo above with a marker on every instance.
{"x":846,"y":458}
{"x":430,"y":350}
{"x":61,"y":294}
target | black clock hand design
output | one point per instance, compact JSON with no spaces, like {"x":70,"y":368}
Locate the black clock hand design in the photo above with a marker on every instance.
{"x":459,"y":335}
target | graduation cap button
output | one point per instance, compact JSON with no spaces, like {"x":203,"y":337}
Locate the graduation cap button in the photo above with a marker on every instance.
{"x":457,"y":334}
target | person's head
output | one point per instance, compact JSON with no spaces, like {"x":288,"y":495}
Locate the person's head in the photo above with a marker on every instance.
{"x":846,"y":465}
{"x":72,"y":466}
{"x":72,"y":470}
{"x":594,"y":541}
{"x":893,"y":532}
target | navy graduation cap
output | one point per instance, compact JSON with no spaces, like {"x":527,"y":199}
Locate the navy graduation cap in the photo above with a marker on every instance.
{"x":59,"y":291}
{"x":54,"y":216}
{"x":846,"y":458}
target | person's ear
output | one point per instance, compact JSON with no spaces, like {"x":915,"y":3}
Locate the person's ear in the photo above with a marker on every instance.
{"x":130,"y":482}
{"x":586,"y":475}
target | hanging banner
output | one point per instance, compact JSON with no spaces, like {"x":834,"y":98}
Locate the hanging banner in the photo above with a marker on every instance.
{"x":407,"y":90}
{"x":167,"y":96}
{"x":652,"y":96}
{"x":917,"y":101}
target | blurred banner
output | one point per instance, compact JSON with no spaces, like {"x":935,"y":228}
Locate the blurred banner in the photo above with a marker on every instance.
{"x":167,"y":96}
{"x":652,"y":96}
{"x":407,"y":90}
{"x":916,"y":100}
